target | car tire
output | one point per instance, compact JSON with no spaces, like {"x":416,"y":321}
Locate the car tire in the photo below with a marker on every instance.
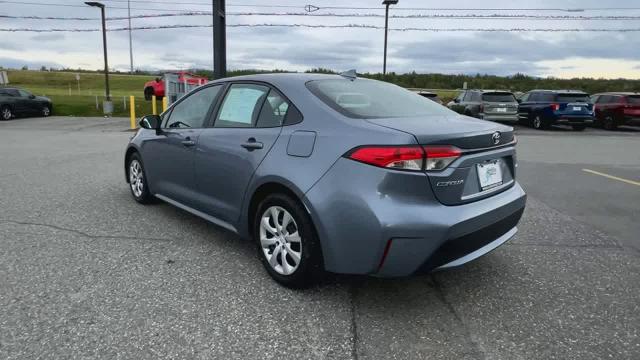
{"x":6,"y":113}
{"x":46,"y":111}
{"x":148,"y":93}
{"x":138,"y":180}
{"x":578,"y":127}
{"x":609,"y":123}
{"x":539,"y":123}
{"x":286,"y":241}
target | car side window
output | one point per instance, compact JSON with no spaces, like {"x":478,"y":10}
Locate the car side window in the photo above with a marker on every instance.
{"x":476,"y":97}
{"x":604,"y":99}
{"x":273,"y":111}
{"x":546,"y":97}
{"x":524,"y":97}
{"x":192,"y":111}
{"x":241,"y":106}
{"x":460,"y":96}
{"x":24,"y":93}
{"x":534,"y":97}
{"x":467,"y":96}
{"x":615,"y":99}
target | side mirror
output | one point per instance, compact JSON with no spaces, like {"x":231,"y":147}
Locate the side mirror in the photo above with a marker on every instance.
{"x":150,"y":122}
{"x":32,"y":96}
{"x":456,"y":100}
{"x":519,"y":100}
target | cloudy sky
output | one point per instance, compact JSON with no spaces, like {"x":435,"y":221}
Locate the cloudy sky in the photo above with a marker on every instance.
{"x":608,"y":55}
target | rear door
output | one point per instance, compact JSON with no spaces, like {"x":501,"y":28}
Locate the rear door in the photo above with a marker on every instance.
{"x":169,"y":156}
{"x":526,"y":102}
{"x":247,"y":123}
{"x":631,"y":107}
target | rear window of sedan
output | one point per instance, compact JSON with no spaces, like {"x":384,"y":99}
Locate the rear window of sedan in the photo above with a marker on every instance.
{"x":367,"y":99}
{"x":498,"y":97}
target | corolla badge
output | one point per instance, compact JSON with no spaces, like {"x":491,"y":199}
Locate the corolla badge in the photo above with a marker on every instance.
{"x":450,"y":183}
{"x":496,"y":138}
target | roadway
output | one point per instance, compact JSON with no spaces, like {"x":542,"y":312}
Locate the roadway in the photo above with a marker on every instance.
{"x":87,"y":272}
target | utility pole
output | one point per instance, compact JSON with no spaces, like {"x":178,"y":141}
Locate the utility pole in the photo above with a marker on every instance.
{"x":219,"y":39}
{"x":130,"y":37}
{"x":386,"y":31}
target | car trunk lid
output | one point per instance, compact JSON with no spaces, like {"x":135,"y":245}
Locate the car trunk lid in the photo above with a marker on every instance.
{"x":486,"y":165}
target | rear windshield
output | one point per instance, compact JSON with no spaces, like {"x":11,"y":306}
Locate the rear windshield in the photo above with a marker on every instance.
{"x":498,"y":97}
{"x":366,"y":99}
{"x":574,"y":98}
{"x":634,"y":99}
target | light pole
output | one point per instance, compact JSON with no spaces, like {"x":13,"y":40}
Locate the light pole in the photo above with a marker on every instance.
{"x":386,"y":30}
{"x":104,"y":45}
{"x":130,"y":38}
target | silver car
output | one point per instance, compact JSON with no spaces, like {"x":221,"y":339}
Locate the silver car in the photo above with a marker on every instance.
{"x":332,"y":173}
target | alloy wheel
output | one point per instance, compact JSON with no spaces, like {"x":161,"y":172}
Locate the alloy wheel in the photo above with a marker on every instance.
{"x":537,"y":122}
{"x":136,"y":178}
{"x":46,"y":111}
{"x":280,"y":240}
{"x":608,"y":123}
{"x":6,"y":113}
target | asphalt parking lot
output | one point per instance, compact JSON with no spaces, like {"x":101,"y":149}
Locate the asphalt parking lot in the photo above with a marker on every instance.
{"x":86,"y":272}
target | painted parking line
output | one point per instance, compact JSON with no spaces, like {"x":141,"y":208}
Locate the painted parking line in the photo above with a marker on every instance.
{"x":636,"y":183}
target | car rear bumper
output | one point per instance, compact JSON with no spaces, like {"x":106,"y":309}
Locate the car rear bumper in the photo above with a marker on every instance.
{"x":574,"y":120}
{"x":389,"y":224}
{"x":500,"y":117}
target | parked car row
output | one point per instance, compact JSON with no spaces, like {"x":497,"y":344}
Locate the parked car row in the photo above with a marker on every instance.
{"x":543,"y":108}
{"x":18,"y":102}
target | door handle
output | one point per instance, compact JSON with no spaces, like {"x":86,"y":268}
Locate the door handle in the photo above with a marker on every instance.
{"x":188,"y":142}
{"x":252,"y":144}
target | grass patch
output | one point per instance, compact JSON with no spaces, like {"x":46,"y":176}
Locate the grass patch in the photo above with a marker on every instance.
{"x":62,"y":89}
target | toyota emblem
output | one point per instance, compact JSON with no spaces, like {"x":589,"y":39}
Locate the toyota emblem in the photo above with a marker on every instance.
{"x":496,"y":138}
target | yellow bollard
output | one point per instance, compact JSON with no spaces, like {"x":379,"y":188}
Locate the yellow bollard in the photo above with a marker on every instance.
{"x":154,"y":105}
{"x":165,"y":103}
{"x":132,"y":111}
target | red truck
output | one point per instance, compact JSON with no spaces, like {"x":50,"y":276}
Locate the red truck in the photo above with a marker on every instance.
{"x":156,"y":87}
{"x":616,"y":108}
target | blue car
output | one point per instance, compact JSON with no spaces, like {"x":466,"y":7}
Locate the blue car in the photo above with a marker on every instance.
{"x":543,"y":108}
{"x":332,"y":173}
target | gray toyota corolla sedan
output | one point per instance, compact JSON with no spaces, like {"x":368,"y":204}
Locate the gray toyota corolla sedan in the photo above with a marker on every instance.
{"x":332,"y":173}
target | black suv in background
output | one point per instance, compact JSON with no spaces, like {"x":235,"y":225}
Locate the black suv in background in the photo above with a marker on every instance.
{"x":18,"y":102}
{"x":543,"y":108}
{"x":492,"y":105}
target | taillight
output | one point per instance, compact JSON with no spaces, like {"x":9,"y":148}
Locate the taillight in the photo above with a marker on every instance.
{"x":555,"y":107}
{"x":395,"y":157}
{"x":440,"y":156}
{"x":410,"y":157}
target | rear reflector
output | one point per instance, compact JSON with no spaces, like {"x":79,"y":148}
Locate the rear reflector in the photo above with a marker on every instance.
{"x":409,"y":157}
{"x":555,"y":107}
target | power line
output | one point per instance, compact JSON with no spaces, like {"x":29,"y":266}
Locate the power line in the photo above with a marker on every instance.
{"x":412,"y":16}
{"x":314,"y":26}
{"x":314,"y":8}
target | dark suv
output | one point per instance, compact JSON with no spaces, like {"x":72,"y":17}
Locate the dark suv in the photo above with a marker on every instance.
{"x":16,"y":102}
{"x":615,"y":109}
{"x":543,"y":108}
{"x":493,"y":105}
